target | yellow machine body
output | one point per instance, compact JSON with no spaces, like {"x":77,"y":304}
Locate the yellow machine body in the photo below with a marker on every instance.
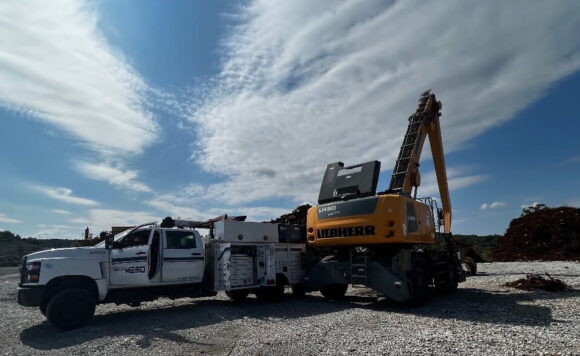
{"x":375,"y":220}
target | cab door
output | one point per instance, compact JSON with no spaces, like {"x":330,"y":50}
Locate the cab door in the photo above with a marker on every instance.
{"x":183,"y":259}
{"x":129,"y":259}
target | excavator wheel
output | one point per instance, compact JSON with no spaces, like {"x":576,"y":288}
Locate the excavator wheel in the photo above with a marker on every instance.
{"x":419,"y":279}
{"x":469,"y":266}
{"x":447,"y":278}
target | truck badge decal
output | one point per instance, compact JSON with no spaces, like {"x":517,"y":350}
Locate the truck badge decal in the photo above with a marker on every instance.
{"x":132,"y":269}
{"x":135,"y":269}
{"x":366,"y":230}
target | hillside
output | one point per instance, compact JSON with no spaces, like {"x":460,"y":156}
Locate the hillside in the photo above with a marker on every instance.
{"x":13,"y":247}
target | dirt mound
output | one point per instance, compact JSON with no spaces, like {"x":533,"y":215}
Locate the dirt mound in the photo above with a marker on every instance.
{"x":535,"y":282}
{"x":297,"y":216}
{"x":549,"y":234}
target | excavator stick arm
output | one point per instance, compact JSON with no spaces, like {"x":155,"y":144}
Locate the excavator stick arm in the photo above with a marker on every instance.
{"x":424,"y":122}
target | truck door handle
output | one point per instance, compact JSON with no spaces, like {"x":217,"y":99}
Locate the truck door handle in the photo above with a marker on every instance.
{"x":141,"y":253}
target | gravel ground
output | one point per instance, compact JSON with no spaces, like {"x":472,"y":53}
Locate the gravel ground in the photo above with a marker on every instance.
{"x":483,"y":317}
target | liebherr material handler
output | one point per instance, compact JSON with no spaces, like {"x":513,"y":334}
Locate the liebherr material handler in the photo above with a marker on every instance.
{"x":388,"y":241}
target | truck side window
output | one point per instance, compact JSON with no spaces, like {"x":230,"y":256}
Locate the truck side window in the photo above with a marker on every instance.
{"x":137,"y":238}
{"x":180,"y":239}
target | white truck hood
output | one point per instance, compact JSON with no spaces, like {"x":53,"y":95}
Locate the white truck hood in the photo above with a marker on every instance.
{"x":73,"y":252}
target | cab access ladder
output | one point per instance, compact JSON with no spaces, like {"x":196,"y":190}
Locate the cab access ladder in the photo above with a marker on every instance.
{"x":358,"y":267}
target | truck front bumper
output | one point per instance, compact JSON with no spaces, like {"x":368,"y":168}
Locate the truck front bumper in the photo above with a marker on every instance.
{"x":30,"y":296}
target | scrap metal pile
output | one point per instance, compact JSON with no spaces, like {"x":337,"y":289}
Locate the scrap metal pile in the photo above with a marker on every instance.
{"x":536,"y":281}
{"x":297,"y":216}
{"x":549,"y":234}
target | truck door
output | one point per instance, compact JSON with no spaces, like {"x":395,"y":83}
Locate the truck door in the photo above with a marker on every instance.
{"x":129,"y":258}
{"x":183,"y":259}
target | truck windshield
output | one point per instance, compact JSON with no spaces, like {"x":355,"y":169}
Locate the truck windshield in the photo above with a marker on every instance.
{"x":116,"y":238}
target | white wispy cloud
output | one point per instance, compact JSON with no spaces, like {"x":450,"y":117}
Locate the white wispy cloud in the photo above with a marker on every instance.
{"x":307,"y":83}
{"x":197,"y":202}
{"x":534,"y":204}
{"x":115,"y":175}
{"x":60,"y":211}
{"x":105,"y":218}
{"x":457,"y":178}
{"x":7,"y":220}
{"x":48,"y":231}
{"x":571,"y":160}
{"x":57,"y":67}
{"x":63,"y":194}
{"x":81,"y":221}
{"x":494,"y":205}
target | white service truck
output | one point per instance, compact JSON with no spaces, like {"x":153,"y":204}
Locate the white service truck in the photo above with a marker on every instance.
{"x":151,"y":261}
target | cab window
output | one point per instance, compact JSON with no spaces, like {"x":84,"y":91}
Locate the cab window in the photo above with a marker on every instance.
{"x":137,"y":238}
{"x":180,"y":239}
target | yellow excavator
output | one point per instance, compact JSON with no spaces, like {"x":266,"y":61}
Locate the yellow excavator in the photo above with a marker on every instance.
{"x":390,"y":241}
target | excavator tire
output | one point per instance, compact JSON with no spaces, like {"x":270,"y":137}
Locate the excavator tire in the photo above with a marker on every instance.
{"x":446,"y":279}
{"x":419,"y":278}
{"x":469,"y":266}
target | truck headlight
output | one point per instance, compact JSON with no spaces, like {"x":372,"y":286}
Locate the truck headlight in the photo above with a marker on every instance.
{"x":31,"y":272}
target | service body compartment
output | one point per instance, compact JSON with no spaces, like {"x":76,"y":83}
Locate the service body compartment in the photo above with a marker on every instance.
{"x":242,"y":231}
{"x":244,"y":255}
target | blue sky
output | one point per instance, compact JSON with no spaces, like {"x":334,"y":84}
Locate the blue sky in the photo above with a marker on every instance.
{"x":115,"y":113}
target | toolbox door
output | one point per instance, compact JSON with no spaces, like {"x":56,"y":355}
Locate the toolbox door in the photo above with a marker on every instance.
{"x":266,"y":265}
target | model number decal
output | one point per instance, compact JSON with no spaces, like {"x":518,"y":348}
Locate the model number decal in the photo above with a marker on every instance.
{"x":132,"y":269}
{"x":138,"y":269}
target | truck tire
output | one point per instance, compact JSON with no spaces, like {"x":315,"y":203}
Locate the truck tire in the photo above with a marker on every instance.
{"x":42,"y":307}
{"x":271,"y":294}
{"x":298,"y":291}
{"x":237,"y":295}
{"x":70,"y":308}
{"x":419,"y":279}
{"x":334,"y":291}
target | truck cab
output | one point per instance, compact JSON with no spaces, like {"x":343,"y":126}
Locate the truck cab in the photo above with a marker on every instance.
{"x":136,"y":265}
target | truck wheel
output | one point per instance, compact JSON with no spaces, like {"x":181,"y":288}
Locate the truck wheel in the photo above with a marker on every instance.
{"x":334,"y":291}
{"x":419,"y":281}
{"x":271,"y":294}
{"x":298,"y":290}
{"x":42,"y":307}
{"x":237,"y":295}
{"x":70,"y":308}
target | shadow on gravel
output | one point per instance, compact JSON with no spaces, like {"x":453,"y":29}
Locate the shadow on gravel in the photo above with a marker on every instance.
{"x":165,"y":322}
{"x":480,"y":306}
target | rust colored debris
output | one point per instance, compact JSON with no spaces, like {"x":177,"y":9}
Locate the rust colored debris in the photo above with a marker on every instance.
{"x":548,"y":234}
{"x":536,"y":281}
{"x":297,"y":216}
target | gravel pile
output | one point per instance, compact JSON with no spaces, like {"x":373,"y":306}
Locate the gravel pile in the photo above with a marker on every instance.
{"x":483,"y":317}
